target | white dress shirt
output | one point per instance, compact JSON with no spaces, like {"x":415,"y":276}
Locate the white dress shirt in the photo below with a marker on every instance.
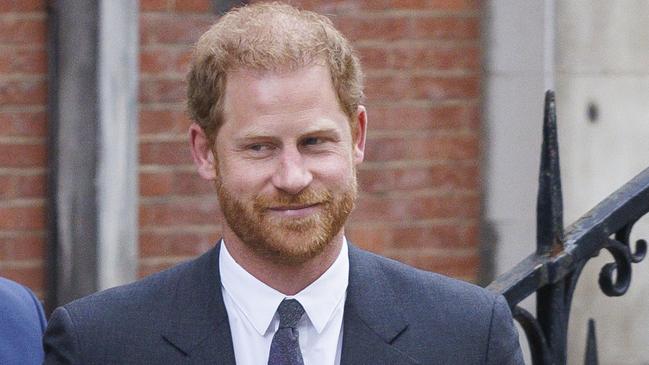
{"x":252,"y":306}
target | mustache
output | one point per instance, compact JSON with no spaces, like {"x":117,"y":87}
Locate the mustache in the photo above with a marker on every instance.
{"x":305,"y":197}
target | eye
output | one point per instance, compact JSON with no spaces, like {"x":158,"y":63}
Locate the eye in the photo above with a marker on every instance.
{"x":312,"y":141}
{"x":258,"y":147}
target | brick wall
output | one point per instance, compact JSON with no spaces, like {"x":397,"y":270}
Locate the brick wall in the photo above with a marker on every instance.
{"x":23,"y":70}
{"x":178,"y":210}
{"x":420,"y":183}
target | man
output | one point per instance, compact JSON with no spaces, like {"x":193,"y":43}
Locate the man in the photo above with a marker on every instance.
{"x":279,"y":129}
{"x":22,"y":323}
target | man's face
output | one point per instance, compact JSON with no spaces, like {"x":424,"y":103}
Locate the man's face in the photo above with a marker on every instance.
{"x":285,"y":162}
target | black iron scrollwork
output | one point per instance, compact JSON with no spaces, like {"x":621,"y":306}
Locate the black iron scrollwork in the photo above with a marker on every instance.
{"x":553,"y":270}
{"x":620,"y":248}
{"x":535,"y":336}
{"x":624,"y":236}
{"x":621,"y":269}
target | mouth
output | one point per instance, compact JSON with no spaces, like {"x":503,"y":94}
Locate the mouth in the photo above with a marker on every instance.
{"x":294,"y":211}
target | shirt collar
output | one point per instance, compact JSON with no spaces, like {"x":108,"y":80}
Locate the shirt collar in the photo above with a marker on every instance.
{"x":259,"y":302}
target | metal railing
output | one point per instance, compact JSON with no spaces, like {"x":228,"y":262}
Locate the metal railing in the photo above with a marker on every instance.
{"x":553,"y":270}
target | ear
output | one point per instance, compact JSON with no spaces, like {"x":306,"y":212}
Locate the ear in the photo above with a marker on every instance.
{"x":359,"y":143}
{"x":202,"y":152}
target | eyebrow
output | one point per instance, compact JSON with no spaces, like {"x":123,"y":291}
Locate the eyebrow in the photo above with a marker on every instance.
{"x":259,"y":135}
{"x":328,"y":131}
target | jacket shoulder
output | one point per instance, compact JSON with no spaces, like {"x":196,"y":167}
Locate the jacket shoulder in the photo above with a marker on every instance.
{"x":445,"y":320}
{"x":129,"y":321}
{"x":142,"y":295}
{"x":409,"y":282}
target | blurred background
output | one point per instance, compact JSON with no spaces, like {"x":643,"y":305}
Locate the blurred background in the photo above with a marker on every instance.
{"x":97,"y":185}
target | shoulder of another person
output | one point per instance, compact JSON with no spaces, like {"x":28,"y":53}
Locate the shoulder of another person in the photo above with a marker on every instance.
{"x":22,"y":324}
{"x":16,"y":295}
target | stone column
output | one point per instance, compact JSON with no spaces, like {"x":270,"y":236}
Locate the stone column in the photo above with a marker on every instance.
{"x":93,"y":149}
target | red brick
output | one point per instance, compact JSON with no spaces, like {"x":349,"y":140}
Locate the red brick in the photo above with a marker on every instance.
{"x":201,"y":6}
{"x":421,"y":87}
{"x":22,"y":186}
{"x":442,"y":58}
{"x":190,"y":183}
{"x":439,"y":57}
{"x":455,"y":5}
{"x":446,"y":236}
{"x":165,"y":60}
{"x":23,"y":92}
{"x":22,"y":5}
{"x":165,"y":153}
{"x":374,"y":238}
{"x":472,"y":231}
{"x":174,"y":183}
{"x":22,"y":155}
{"x":182,"y":29}
{"x":154,"y":5}
{"x":22,"y":31}
{"x":148,"y":269}
{"x":163,"y":91}
{"x":156,"y":184}
{"x":375,"y":57}
{"x":443,"y":177}
{"x":22,"y":218}
{"x":465,"y":267}
{"x":176,"y":243}
{"x":435,"y":147}
{"x":22,"y":247}
{"x":163,"y":122}
{"x":180,"y":213}
{"x":31,"y":61}
{"x":456,"y":28}
{"x":362,"y":28}
{"x":408,"y":209}
{"x":401,"y":27}
{"x":31,"y":277}
{"x":420,"y":118}
{"x":475,"y":119}
{"x":23,"y":124}
{"x":439,"y":236}
{"x":342,"y":6}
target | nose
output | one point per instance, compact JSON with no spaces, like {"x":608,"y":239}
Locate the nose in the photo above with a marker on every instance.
{"x":292,"y":175}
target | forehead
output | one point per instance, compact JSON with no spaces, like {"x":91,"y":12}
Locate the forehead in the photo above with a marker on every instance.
{"x":258,"y":99}
{"x":260,"y":88}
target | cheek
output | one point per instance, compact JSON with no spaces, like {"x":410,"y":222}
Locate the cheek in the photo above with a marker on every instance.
{"x":243,"y":181}
{"x":335,"y":172}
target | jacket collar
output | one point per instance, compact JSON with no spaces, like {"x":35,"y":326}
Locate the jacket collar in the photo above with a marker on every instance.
{"x":372,"y":320}
{"x":198,"y":322}
{"x":197,"y":319}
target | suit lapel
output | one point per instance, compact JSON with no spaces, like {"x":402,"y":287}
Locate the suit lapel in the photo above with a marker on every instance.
{"x":371,"y":321}
{"x":198,"y":322}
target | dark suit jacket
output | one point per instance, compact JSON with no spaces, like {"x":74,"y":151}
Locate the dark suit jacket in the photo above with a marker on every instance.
{"x":22,"y":323}
{"x":394,"y":314}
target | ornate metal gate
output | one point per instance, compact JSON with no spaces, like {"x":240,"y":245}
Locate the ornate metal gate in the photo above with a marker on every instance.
{"x":553,"y":270}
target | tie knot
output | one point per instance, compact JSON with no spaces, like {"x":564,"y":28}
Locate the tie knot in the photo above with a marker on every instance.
{"x":290,"y":311}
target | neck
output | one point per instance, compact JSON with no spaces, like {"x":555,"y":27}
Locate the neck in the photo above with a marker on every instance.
{"x":288,"y":279}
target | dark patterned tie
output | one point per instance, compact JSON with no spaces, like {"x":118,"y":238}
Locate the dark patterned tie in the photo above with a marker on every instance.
{"x":285,"y":348}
